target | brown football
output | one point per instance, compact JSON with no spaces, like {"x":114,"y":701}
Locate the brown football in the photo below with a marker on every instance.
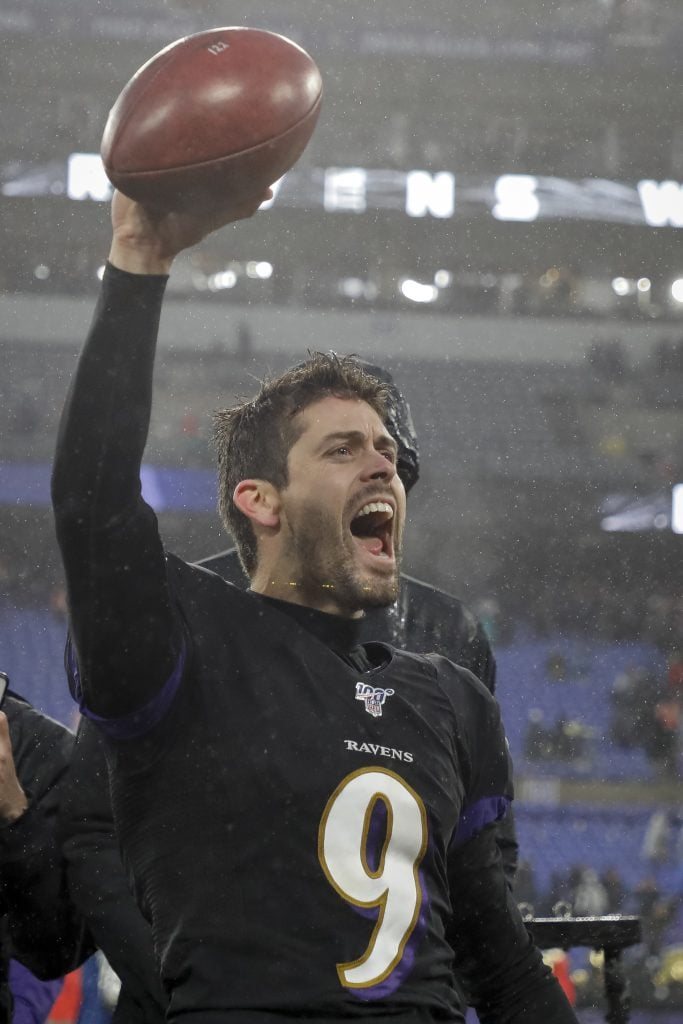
{"x":220,"y":114}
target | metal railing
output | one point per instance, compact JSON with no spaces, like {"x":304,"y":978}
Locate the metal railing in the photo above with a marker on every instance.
{"x":612,"y":935}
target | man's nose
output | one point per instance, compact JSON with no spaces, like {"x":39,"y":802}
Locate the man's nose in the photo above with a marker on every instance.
{"x":378,"y":467}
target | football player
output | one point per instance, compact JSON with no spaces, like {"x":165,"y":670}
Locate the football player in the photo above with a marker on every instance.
{"x":309,"y":822}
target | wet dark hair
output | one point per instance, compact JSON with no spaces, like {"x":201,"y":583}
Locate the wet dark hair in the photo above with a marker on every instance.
{"x":253,"y":439}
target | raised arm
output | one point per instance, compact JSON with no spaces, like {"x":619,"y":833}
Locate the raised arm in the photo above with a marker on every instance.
{"x":125,"y":643}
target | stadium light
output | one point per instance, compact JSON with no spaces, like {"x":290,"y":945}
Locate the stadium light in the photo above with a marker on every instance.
{"x":417,"y":292}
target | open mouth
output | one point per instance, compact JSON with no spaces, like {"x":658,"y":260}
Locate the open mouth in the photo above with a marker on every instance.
{"x":372,"y":529}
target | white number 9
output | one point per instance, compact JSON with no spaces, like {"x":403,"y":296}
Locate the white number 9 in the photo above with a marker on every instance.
{"x":394,"y":884}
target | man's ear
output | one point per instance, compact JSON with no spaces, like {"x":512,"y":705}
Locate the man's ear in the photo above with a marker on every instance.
{"x":259,"y":501}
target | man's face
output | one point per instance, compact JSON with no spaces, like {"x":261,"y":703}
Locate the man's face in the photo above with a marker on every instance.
{"x":343,"y":510}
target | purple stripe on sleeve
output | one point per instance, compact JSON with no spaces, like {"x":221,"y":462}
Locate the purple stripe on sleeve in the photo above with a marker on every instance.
{"x":137,"y":722}
{"x":477,"y":816}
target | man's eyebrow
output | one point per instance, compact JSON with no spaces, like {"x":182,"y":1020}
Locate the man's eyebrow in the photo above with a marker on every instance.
{"x":357,"y":437}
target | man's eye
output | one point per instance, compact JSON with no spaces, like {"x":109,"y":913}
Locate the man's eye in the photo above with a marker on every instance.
{"x":342,"y":450}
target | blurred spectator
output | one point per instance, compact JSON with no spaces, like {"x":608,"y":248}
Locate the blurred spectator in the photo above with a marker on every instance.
{"x":573,"y":879}
{"x":525,"y":888}
{"x":615,"y":889}
{"x":572,"y":740}
{"x":590,"y":897}
{"x":647,"y":713}
{"x":633,"y":697}
{"x":656,"y":912}
{"x":565,"y":740}
{"x":40,"y":928}
{"x":538,"y":745}
{"x":583,"y":892}
{"x":558,"y":892}
{"x":658,"y":839}
{"x":662,"y":744}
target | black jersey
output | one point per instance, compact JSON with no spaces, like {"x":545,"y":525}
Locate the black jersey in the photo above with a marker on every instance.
{"x":311,"y":814}
{"x":423,"y":619}
{"x":310,"y":834}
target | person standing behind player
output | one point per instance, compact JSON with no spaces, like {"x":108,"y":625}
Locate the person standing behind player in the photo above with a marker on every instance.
{"x":41,"y":935}
{"x":309,"y":823}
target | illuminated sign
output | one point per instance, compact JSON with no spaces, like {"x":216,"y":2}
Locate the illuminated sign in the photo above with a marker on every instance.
{"x":438,"y":195}
{"x":677,"y":508}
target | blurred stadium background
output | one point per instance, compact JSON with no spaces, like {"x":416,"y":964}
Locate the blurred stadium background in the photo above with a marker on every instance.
{"x":491,"y":208}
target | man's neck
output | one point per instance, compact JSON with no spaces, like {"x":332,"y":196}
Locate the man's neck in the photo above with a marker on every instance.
{"x":341,"y":635}
{"x":309,"y":596}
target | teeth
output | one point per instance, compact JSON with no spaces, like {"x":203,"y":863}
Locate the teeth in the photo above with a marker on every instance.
{"x":376,"y":506}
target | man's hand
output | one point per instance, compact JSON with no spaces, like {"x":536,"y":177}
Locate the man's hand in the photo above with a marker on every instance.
{"x":13,"y":800}
{"x":146,"y":239}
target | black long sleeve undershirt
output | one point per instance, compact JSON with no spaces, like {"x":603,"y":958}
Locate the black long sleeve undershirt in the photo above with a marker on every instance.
{"x":120,"y":607}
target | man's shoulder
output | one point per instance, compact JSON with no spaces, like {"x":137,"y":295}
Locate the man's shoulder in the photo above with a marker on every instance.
{"x":460,"y":677}
{"x":227,"y":565}
{"x":456,"y":680}
{"x":20,"y":711}
{"x":199,"y":591}
{"x":449,"y":624}
{"x":420,"y":591}
{"x":200,"y":574}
